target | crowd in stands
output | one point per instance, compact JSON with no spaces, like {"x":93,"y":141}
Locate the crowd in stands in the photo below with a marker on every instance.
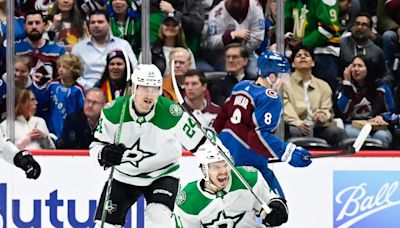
{"x":70,"y":61}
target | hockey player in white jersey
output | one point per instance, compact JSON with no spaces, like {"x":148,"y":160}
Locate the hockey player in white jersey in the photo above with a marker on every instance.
{"x":221,"y":200}
{"x":22,"y":159}
{"x":153,"y":131}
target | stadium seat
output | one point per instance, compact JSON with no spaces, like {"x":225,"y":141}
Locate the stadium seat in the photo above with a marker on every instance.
{"x":369,"y":144}
{"x":311,"y":143}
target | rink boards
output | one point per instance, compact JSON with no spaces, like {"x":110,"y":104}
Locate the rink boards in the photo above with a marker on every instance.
{"x":335,"y":192}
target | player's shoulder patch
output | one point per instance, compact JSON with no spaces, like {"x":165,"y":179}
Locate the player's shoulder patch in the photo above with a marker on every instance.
{"x":329,"y":2}
{"x":181,"y":198}
{"x":175,"y":110}
{"x":109,"y":104}
{"x":271,"y":93}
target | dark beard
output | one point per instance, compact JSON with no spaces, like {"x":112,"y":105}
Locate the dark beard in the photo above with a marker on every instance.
{"x":35,"y":36}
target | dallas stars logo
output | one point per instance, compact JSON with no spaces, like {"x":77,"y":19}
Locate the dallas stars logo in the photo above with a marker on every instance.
{"x":225,"y":221}
{"x":136,"y":154}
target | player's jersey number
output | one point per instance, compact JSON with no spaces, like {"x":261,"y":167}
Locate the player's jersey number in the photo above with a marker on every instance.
{"x":237,"y":117}
{"x":188,"y":128}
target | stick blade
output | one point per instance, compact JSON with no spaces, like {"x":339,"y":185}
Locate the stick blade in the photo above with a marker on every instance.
{"x":362,"y":137}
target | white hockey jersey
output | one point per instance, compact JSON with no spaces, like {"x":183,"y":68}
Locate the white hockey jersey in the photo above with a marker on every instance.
{"x":236,"y":207}
{"x":154,"y":142}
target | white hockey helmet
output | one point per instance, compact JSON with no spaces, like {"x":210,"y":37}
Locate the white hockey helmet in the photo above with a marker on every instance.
{"x":147,"y":75}
{"x":206,"y":154}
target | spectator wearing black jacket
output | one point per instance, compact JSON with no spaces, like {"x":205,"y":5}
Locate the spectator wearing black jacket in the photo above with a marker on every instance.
{"x":79,"y":127}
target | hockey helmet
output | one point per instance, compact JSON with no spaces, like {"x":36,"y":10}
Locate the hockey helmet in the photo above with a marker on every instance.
{"x":207,"y":154}
{"x":147,"y":75}
{"x":272,"y":62}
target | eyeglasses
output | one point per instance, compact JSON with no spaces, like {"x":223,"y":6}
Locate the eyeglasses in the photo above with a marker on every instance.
{"x":92,"y":102}
{"x":356,"y":23}
{"x":233,"y":57}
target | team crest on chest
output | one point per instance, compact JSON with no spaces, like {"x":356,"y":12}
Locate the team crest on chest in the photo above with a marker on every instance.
{"x":135,"y":154}
{"x":175,"y":110}
{"x":109,"y":104}
{"x":224,"y":220}
{"x":271,"y":93}
{"x":180,"y":198}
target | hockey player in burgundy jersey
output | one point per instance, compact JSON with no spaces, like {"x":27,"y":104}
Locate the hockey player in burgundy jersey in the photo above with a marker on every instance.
{"x":249,"y":118}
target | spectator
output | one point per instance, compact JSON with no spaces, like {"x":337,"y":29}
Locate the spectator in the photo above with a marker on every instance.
{"x":79,"y":127}
{"x":236,"y":59}
{"x":93,"y":50}
{"x":233,"y":21}
{"x":31,"y":132}
{"x":361,"y":97}
{"x":192,"y":15}
{"x":314,"y":24}
{"x":43,"y":53}
{"x":195,"y":90}
{"x":389,"y":26}
{"x":158,"y":8}
{"x":22,"y":79}
{"x":360,"y":42}
{"x":170,"y":36}
{"x":123,"y":14}
{"x":307,"y":102}
{"x":344,"y":17}
{"x":183,"y":61}
{"x":68,"y":25}
{"x":43,"y":6}
{"x":19,"y":33}
{"x":62,"y":96}
{"x":269,"y":25}
{"x":113,"y":81}
{"x":89,"y":6}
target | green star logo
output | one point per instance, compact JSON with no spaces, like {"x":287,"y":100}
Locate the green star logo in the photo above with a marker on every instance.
{"x":136,"y":155}
{"x":223,"y":220}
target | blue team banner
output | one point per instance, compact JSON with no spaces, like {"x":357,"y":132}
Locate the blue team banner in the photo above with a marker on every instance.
{"x":366,"y":199}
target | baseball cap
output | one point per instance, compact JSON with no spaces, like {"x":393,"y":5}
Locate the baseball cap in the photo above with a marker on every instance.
{"x":173,"y":17}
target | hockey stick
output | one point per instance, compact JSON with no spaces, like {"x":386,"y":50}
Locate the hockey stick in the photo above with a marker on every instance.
{"x":220,"y":147}
{"x":354,"y":149}
{"x":107,"y":203}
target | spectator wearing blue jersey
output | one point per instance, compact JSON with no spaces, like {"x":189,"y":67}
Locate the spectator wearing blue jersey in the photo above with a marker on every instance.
{"x":62,"y":96}
{"x":43,"y":53}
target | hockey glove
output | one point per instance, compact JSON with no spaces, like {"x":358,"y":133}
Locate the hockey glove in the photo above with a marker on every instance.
{"x":279,"y":213}
{"x":111,"y":154}
{"x":296,"y":156}
{"x":25,"y":161}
